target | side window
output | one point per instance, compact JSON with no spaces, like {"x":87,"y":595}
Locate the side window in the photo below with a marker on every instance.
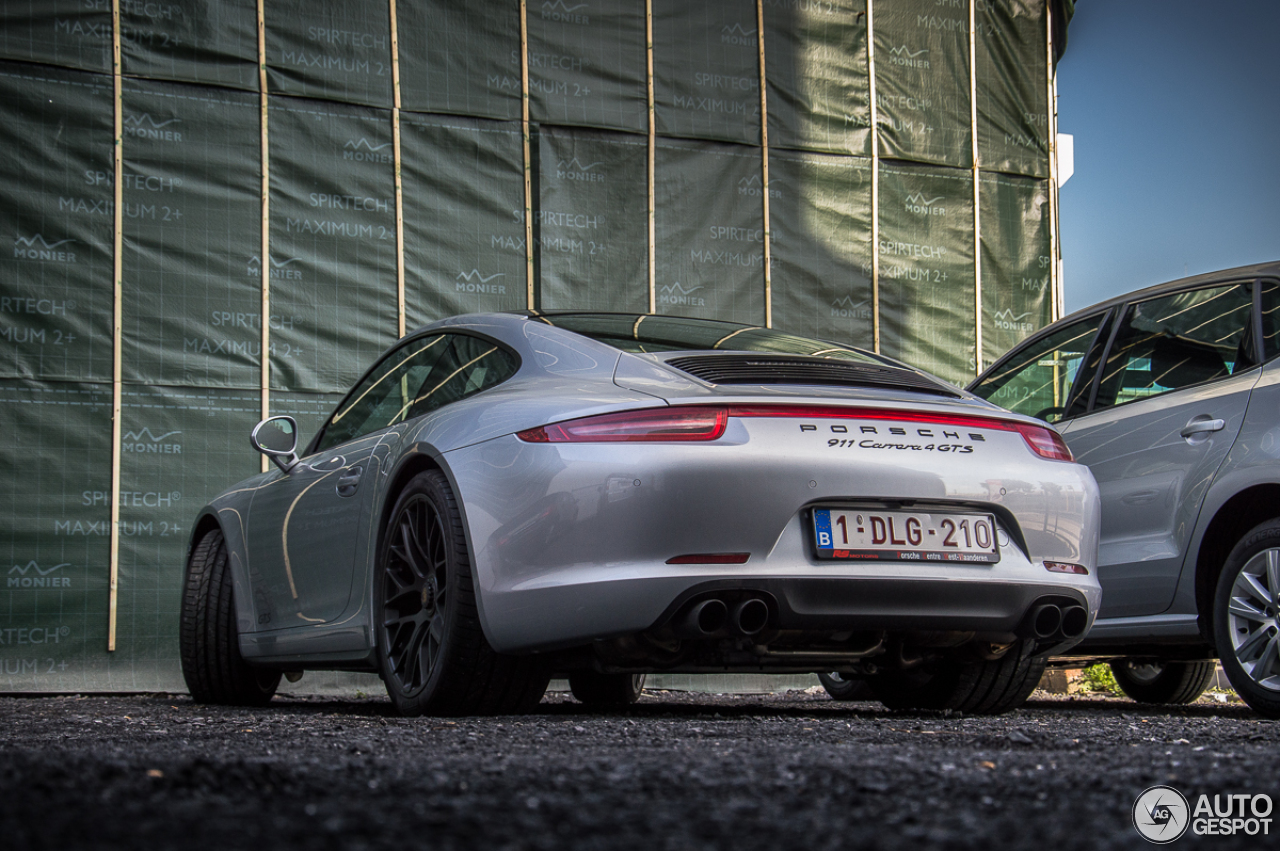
{"x":1176,"y":341}
{"x":1270,"y":319}
{"x":1037,"y":380}
{"x":416,"y":378}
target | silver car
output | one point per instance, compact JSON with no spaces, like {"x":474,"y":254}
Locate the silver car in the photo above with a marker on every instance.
{"x":1171,"y":395}
{"x":503,"y":498}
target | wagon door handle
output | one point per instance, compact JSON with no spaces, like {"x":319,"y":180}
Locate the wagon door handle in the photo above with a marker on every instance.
{"x":1202,"y":425}
{"x":350,"y":481}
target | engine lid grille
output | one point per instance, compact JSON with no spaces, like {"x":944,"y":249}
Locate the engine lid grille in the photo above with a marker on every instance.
{"x":795,"y":369}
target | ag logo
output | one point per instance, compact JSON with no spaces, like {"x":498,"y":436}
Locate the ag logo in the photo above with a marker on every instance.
{"x":1161,"y":814}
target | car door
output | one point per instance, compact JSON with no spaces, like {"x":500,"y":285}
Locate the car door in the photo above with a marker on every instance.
{"x":306,"y":527}
{"x":1167,"y":404}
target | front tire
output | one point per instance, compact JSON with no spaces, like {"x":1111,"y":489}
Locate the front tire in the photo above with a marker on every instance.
{"x":209,"y":643}
{"x":1245,"y":627}
{"x":1155,"y":681}
{"x":987,"y":687}
{"x":432,"y":653}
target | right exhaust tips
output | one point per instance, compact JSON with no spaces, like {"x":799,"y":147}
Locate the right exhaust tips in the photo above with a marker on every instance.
{"x":749,"y":616}
{"x":714,"y":617}
{"x":1074,"y":621}
{"x":1050,"y":620}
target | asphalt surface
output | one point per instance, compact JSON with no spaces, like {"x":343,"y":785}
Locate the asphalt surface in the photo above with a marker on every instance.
{"x":675,"y":771}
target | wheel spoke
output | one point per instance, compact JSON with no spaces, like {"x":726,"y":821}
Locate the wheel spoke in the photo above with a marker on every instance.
{"x":1273,"y":574}
{"x":1244,"y":608}
{"x":1251,"y":583}
{"x":1252,"y":648}
{"x":436,"y":628}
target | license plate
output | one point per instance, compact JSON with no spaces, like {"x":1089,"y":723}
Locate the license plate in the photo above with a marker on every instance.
{"x":905,"y":536}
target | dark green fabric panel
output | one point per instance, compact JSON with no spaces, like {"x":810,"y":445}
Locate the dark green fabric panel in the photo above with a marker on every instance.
{"x":460,"y":57}
{"x":70,"y":33}
{"x":333,"y":242}
{"x":922,"y":82}
{"x":332,"y":49}
{"x":706,"y":70}
{"x":591,"y":220}
{"x":820,"y":206}
{"x":53,"y":597}
{"x":816,"y":68}
{"x":1016,"y":261}
{"x":928,"y":309}
{"x":55,"y":179}
{"x":464,"y":241}
{"x":709,"y":222}
{"x":214,"y":42}
{"x":193,"y":214}
{"x":587,"y":64}
{"x":1013,"y":113}
{"x":181,"y":447}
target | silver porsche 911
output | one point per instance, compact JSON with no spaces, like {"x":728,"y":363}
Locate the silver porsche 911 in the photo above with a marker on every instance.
{"x":505,"y":498}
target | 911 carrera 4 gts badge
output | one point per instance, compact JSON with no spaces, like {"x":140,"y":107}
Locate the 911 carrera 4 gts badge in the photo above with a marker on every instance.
{"x":916,"y":440}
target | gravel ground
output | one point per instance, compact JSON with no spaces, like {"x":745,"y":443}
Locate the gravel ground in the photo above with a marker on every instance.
{"x":676,"y":771}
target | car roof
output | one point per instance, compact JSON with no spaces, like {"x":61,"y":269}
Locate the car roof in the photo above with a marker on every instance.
{"x":1257,"y":270}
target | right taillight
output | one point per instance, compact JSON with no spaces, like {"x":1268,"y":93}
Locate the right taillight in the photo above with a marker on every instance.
{"x":653,"y":425}
{"x":1044,"y":441}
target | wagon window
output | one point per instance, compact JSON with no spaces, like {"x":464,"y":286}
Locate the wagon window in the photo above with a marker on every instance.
{"x":1037,"y":381}
{"x":1177,"y":341}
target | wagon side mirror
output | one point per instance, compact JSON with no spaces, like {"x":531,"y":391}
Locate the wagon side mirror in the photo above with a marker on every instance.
{"x":277,"y":438}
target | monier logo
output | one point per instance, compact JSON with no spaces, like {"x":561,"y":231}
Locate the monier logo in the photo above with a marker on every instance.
{"x":145,"y":442}
{"x":576,"y":170}
{"x":845,"y":308}
{"x":753,"y":187}
{"x":917,"y":203}
{"x":474,"y":282}
{"x":32,"y":575}
{"x":738,"y":34}
{"x":279,"y":268}
{"x":678,"y":294}
{"x":145,"y":127}
{"x":362,"y":151}
{"x":38,"y":248}
{"x":1006,"y":321}
{"x":561,"y":12}
{"x":908,"y":58}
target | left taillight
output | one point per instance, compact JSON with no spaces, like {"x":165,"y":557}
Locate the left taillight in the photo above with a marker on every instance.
{"x":1044,"y":441}
{"x":653,"y":425}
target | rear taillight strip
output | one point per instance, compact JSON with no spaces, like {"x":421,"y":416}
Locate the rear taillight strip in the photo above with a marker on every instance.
{"x":706,"y":423}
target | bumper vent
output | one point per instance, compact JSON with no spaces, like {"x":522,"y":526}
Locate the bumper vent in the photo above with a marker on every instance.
{"x":770,"y":369}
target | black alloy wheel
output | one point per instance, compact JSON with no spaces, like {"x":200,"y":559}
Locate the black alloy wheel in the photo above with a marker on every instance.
{"x":842,"y":687}
{"x":432,"y":653}
{"x":1159,"y":681}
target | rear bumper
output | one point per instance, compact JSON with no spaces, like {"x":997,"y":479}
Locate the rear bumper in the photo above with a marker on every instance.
{"x":570,"y":542}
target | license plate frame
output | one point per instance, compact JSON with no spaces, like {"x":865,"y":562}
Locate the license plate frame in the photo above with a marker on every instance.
{"x":926,"y":536}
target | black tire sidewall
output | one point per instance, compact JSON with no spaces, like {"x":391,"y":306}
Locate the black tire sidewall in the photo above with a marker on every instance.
{"x":433,"y":487}
{"x":1262,"y":537}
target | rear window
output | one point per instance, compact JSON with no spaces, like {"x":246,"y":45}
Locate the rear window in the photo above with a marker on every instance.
{"x":642,"y":333}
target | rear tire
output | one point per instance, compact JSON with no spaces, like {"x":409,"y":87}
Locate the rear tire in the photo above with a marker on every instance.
{"x":841,"y":687}
{"x":208,"y":640}
{"x":432,"y":652}
{"x":988,"y":687}
{"x":594,"y":689}
{"x":1154,"y":681}
{"x":1246,"y":631}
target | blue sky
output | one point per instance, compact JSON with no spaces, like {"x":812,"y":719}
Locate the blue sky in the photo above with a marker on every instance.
{"x":1175,"y":110}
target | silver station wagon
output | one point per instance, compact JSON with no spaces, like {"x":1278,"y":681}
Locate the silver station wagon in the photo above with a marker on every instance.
{"x":507,"y":497}
{"x":1171,"y":395}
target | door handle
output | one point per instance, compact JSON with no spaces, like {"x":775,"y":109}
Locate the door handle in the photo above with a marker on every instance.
{"x":349,"y":481}
{"x":1202,"y":425}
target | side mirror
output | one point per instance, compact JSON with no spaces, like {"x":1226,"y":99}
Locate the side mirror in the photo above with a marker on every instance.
{"x":277,"y":438}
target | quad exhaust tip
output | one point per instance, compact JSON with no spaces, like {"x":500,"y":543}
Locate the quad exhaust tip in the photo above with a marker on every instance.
{"x":714,"y":616}
{"x":1049,"y":620}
